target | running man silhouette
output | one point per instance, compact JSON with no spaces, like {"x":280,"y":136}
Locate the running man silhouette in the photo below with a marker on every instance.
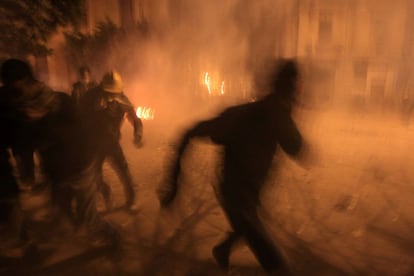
{"x":249,"y":135}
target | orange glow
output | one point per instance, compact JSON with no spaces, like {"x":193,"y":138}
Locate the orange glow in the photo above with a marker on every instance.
{"x":145,"y":113}
{"x":213,"y":84}
{"x":207,"y":82}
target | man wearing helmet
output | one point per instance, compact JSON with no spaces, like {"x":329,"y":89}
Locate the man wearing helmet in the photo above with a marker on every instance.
{"x":249,"y":134}
{"x":104,"y":109}
{"x":46,"y":122}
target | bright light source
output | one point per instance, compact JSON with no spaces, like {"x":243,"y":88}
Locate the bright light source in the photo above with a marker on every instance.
{"x":145,"y":113}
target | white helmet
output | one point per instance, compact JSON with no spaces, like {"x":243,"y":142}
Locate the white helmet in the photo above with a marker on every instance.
{"x":112,"y":82}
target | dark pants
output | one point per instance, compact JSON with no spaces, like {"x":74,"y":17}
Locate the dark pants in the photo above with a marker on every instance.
{"x":9,"y":189}
{"x":115,"y":156}
{"x":79,"y":190}
{"x":75,"y":197}
{"x":246,"y":224}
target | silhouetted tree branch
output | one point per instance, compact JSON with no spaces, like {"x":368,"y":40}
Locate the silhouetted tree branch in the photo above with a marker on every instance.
{"x":27,"y":25}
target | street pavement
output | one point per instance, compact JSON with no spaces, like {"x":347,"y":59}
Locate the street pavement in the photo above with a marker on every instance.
{"x":348,"y":212}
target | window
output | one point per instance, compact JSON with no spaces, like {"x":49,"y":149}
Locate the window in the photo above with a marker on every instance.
{"x":325,"y":27}
{"x":360,"y":69}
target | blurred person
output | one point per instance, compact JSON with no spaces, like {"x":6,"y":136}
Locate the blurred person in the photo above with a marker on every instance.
{"x":84,"y":83}
{"x":10,"y":217}
{"x":104,"y":109}
{"x":9,"y":189}
{"x":47,"y":123}
{"x":407,"y":107}
{"x":249,"y":135}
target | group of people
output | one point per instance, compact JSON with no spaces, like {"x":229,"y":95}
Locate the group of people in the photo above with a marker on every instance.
{"x":71,"y":137}
{"x":74,"y":135}
{"x":103,"y":108}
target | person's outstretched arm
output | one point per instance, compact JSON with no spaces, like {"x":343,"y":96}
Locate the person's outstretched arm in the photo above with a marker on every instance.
{"x":290,"y":138}
{"x":293,"y":143}
{"x":75,"y":93}
{"x":133,"y":119}
{"x":169,"y":189}
{"x":25,"y":166}
{"x":217,"y":129}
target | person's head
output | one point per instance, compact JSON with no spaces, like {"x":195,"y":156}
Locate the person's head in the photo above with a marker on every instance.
{"x":277,"y":76}
{"x":284,"y":79}
{"x":84,"y":74}
{"x":34,"y":98}
{"x":13,"y":70}
{"x":112,"y":82}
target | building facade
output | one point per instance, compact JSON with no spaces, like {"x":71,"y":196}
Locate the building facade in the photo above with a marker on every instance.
{"x":354,"y":51}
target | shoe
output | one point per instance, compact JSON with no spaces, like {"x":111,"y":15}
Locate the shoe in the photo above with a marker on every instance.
{"x":221,"y":255}
{"x":129,"y":200}
{"x":107,"y":197}
{"x":13,"y":251}
{"x":108,"y":205}
{"x":105,"y":239}
{"x":131,"y":205}
{"x":132,"y":208}
{"x":103,"y":233}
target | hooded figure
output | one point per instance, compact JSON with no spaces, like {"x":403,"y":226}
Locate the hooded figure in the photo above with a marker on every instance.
{"x":249,"y":135}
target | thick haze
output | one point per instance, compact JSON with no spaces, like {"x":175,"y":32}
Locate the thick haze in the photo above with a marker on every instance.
{"x":352,"y":204}
{"x":349,"y":208}
{"x":190,"y":39}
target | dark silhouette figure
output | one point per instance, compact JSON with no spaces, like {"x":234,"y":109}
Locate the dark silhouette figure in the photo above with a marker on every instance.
{"x":47,"y":122}
{"x":9,"y":189}
{"x":249,"y":135}
{"x":84,"y":83}
{"x":104,"y":109}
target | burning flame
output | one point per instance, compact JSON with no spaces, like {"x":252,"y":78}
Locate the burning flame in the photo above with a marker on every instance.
{"x":212,"y":84}
{"x":207,"y":82}
{"x":145,"y":113}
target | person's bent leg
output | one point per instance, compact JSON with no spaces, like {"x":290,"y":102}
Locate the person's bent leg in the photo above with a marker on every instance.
{"x":261,"y":245}
{"x":221,"y":252}
{"x":99,"y":229}
{"x":120,"y":165}
{"x":103,"y":186}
